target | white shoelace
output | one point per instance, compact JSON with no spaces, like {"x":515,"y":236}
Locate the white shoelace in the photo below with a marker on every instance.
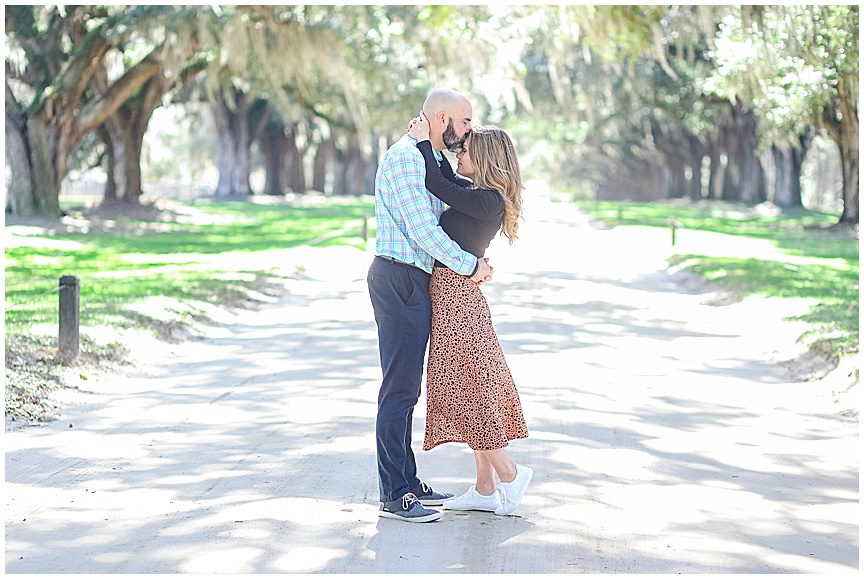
{"x":408,"y":500}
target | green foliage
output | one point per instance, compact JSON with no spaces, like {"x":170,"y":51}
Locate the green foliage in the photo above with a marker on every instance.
{"x":436,"y":17}
{"x":786,"y":62}
{"x":618,"y":31}
{"x":616,"y":91}
{"x":591,"y":93}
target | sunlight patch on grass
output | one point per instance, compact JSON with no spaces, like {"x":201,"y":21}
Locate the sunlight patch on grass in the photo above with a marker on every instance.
{"x":194,"y":253}
{"x":733,"y":246}
{"x":45,"y":260}
{"x":27,"y":236}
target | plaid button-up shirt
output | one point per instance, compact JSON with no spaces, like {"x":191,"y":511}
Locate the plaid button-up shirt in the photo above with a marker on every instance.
{"x":406,"y":214}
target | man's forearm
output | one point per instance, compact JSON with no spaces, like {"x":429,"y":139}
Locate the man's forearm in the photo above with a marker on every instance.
{"x":423,"y":228}
{"x":439,"y":245}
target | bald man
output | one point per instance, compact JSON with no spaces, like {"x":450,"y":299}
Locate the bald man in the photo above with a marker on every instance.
{"x":408,"y":242}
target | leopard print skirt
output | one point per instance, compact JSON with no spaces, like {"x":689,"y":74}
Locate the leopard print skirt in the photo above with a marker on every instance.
{"x":470,"y":394}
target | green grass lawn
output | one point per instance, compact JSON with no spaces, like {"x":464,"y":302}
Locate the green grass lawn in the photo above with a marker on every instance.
{"x":124,"y":259}
{"x":191,"y":257}
{"x":152,"y":270}
{"x":811,"y":259}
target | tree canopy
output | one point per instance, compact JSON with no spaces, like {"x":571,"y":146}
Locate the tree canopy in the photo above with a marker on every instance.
{"x":644,"y":102}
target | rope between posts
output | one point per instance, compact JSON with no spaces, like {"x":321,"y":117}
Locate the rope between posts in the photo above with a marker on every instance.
{"x":331,"y":235}
{"x":34,"y":298}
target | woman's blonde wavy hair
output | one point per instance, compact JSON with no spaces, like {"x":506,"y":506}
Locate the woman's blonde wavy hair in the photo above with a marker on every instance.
{"x":497,"y":167}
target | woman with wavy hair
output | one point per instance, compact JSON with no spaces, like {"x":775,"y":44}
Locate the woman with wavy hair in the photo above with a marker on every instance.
{"x":471,"y":396}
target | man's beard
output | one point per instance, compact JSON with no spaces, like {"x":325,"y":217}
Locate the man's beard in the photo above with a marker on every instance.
{"x":452,"y":140}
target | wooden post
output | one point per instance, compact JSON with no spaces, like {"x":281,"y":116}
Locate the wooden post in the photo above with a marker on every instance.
{"x":70,"y":318}
{"x":674,"y":224}
{"x":365,"y":228}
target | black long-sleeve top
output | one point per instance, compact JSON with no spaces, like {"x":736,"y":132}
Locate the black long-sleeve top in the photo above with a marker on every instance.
{"x":474,"y":216}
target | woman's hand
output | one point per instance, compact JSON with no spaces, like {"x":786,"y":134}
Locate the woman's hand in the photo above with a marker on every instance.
{"x":419,"y":127}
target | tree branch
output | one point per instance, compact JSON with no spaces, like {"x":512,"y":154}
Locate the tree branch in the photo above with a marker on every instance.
{"x":95,"y":112}
{"x":76,"y":73}
{"x":660,"y":51}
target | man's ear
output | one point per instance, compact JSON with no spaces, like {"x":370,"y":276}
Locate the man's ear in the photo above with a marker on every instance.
{"x":441,"y":118}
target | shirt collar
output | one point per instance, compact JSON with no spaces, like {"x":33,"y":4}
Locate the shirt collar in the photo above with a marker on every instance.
{"x":438,"y":154}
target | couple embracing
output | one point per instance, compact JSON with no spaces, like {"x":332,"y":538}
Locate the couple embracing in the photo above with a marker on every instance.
{"x":424,"y":286}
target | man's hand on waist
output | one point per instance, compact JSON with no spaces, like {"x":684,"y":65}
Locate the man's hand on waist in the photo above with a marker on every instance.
{"x":483,"y":273}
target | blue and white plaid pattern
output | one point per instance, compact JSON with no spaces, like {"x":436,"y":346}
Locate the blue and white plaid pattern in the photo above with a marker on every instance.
{"x":406,"y":214}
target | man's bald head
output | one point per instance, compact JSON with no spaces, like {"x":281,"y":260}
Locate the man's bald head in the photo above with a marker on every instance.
{"x":444,"y":100}
{"x":448,"y":111}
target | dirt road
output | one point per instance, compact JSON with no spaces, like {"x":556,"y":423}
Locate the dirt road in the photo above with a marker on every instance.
{"x":669,"y":434}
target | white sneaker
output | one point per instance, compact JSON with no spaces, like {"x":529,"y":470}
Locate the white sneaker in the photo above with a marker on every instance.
{"x":512,"y":492}
{"x":474,"y":501}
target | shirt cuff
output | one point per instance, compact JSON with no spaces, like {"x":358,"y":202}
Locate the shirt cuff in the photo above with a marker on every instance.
{"x":476,"y":267}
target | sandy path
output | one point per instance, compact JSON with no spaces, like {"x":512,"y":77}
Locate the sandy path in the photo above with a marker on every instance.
{"x":667,"y":435}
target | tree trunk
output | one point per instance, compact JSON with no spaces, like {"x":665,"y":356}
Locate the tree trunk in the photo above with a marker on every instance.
{"x":731,"y":174}
{"x":234,"y":143}
{"x":337,"y":163}
{"x":58,"y":120}
{"x":694,"y":183}
{"x":716,"y":170}
{"x":674,"y":148}
{"x":293,"y":167}
{"x":678,"y":180}
{"x":46,"y":165}
{"x":323,"y":155}
{"x":20,"y":199}
{"x":125,"y":131}
{"x":847,"y":141}
{"x":110,"y":193}
{"x":274,"y":148}
{"x":744,"y":179}
{"x":849,"y":159}
{"x":125,"y":162}
{"x":653,"y":183}
{"x":758,"y":190}
{"x":355,"y":183}
{"x":370,"y":167}
{"x":787,"y":180}
{"x":787,"y":169}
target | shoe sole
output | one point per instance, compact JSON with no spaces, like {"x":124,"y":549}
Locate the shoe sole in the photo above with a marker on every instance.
{"x":423,"y":519}
{"x":432,"y":502}
{"x":522,"y":494}
{"x":484,"y":509}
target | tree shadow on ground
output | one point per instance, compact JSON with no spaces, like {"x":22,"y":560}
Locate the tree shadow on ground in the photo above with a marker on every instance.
{"x":258,"y":457}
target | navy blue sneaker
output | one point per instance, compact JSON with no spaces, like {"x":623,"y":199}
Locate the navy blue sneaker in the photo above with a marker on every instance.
{"x":428,"y":497}
{"x":408,"y":509}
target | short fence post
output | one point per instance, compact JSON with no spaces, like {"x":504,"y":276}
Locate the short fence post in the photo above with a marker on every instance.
{"x":674,"y":224}
{"x":365,"y":228}
{"x":70,"y":317}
